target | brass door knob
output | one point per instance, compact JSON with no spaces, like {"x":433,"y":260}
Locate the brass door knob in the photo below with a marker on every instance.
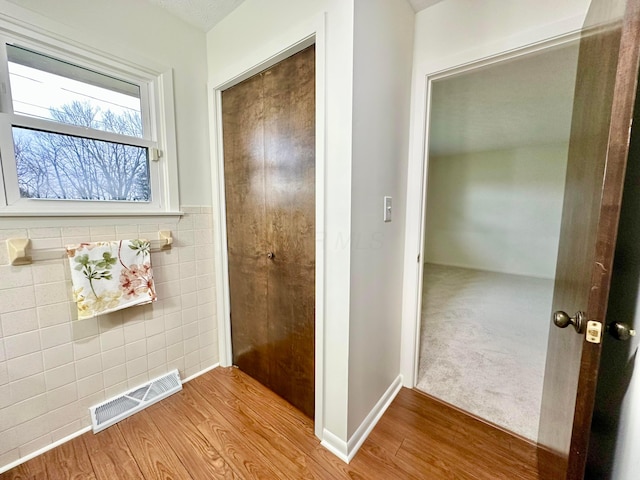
{"x":563,"y":320}
{"x":620,"y":331}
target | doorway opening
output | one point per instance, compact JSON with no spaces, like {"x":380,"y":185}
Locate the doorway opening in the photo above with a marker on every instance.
{"x":498,"y":140}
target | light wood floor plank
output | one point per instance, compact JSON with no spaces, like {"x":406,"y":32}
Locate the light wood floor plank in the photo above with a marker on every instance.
{"x":152,"y":453}
{"x":110,"y":456}
{"x":226,"y":425}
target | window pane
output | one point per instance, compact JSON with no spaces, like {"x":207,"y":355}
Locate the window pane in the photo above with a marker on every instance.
{"x":48,"y":88}
{"x":55,"y":166}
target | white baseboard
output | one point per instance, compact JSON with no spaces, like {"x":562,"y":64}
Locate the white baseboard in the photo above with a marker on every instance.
{"x":345,"y":451}
{"x":82,"y":431}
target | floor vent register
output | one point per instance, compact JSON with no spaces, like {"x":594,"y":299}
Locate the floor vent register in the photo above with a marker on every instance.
{"x":118,"y":408}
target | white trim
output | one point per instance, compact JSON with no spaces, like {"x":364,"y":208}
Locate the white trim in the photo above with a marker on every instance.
{"x":293,"y":41}
{"x":82,"y":431}
{"x":347,"y":450}
{"x":417,"y":192}
{"x":201,"y":372}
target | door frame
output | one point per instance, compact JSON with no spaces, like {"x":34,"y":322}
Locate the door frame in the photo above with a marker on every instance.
{"x":292,"y":42}
{"x":417,"y":196}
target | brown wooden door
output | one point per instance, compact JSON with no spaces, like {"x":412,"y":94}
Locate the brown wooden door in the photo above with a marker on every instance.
{"x":602,"y":115}
{"x":269,"y":163}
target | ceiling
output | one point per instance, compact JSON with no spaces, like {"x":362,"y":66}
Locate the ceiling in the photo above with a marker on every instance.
{"x":205,"y":14}
{"x":527,"y":101}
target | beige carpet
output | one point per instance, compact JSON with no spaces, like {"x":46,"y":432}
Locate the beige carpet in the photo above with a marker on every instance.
{"x":483,"y":343}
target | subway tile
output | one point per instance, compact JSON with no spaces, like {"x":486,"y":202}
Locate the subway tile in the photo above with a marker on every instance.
{"x":27,"y":387}
{"x":190,"y":209}
{"x":47,"y":272}
{"x":156,"y":342}
{"x":135,"y":350}
{"x":65,"y":431}
{"x":25,"y":366}
{"x":3,"y":354}
{"x":83,"y":232}
{"x":172,"y":320}
{"x":189,"y":315}
{"x":13,"y":277}
{"x":64,"y":415}
{"x":175,"y":351}
{"x":116,"y":390}
{"x":174,"y":336}
{"x":57,"y":356}
{"x":186,"y":238}
{"x":172,"y":305}
{"x":113,"y":358}
{"x":203,"y":238}
{"x":136,"y":367}
{"x":154,"y":326}
{"x":86,"y":347}
{"x":190,"y":330}
{"x":134,"y":332}
{"x":90,"y":385}
{"x":114,"y":376}
{"x":35,"y":445}
{"x":190,"y":371}
{"x":20,"y":321}
{"x":127,"y":230}
{"x":187,"y":269}
{"x":138,"y":380}
{"x":55,"y":335}
{"x":21,"y":344}
{"x":12,"y":299}
{"x":53,"y":314}
{"x":88,"y":366}
{"x":206,"y":311}
{"x":44,"y":232}
{"x":157,"y":359}
{"x":131,"y":316}
{"x":205,"y":296}
{"x":187,"y":254}
{"x":8,"y":441}
{"x":168,"y":289}
{"x":112,"y":339}
{"x":189,"y":288}
{"x":205,"y":281}
{"x":149,"y":231}
{"x":4,"y":373}
{"x":110,"y":321}
{"x":185,"y":223}
{"x":102,"y":231}
{"x":47,"y":243}
{"x":157,"y":371}
{"x":5,"y":396}
{"x":48,"y":293}
{"x":191,"y":344}
{"x":85,"y":328}
{"x":177,"y":364}
{"x":57,"y":377}
{"x":27,"y":410}
{"x":59,"y":397}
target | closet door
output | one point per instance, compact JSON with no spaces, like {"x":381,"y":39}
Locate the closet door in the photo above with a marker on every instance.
{"x":269,"y":122}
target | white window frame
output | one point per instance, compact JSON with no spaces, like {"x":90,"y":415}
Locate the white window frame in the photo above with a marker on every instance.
{"x":158,"y":118}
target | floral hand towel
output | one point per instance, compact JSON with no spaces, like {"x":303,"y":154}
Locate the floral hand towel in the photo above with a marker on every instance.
{"x":110,"y":276}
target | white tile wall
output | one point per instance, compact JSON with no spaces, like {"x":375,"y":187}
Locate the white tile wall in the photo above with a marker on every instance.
{"x":53,"y":366}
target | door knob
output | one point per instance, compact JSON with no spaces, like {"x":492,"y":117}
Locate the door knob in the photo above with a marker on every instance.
{"x":562,"y":320}
{"x":270,"y":255}
{"x":620,"y":331}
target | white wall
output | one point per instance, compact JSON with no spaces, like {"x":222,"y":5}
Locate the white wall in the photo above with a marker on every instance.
{"x":497,"y":210}
{"x":137,"y":30}
{"x":383,"y":41}
{"x":447,"y":35}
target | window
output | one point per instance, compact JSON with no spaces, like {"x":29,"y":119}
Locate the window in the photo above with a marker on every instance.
{"x":78,"y":135}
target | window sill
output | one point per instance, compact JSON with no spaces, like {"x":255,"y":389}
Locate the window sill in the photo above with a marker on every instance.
{"x":70,"y":218}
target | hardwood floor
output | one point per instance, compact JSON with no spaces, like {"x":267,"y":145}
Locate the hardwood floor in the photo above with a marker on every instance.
{"x":225,"y":425}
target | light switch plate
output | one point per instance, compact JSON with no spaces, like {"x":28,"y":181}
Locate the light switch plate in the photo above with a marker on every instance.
{"x":387,"y":209}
